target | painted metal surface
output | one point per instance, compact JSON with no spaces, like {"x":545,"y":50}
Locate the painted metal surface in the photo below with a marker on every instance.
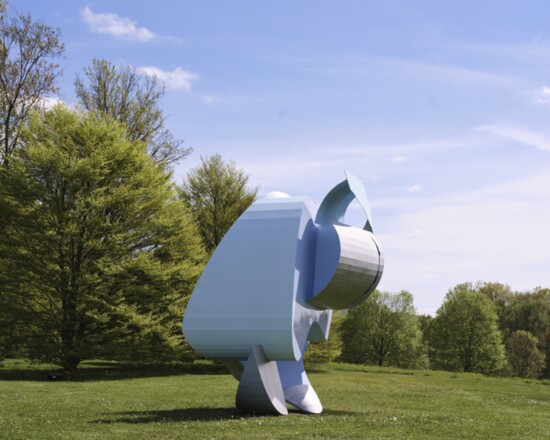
{"x":270,"y":287}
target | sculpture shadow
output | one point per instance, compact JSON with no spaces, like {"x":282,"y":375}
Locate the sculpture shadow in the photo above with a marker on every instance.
{"x":175,"y":415}
{"x":197,"y":415}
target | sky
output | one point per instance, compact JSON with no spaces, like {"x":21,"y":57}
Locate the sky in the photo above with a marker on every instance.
{"x":442,"y":109}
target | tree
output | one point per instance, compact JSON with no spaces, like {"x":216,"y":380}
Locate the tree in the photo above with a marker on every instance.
{"x":27,"y":72}
{"x":524,"y":357}
{"x":465,"y":334}
{"x":131,"y":98}
{"x":102,"y":255}
{"x":501,"y":296}
{"x":217,"y":193}
{"x":530,"y":311}
{"x":329,"y":350}
{"x":384,"y":330}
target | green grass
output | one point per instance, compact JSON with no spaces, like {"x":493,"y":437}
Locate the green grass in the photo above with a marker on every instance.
{"x":109,"y":402}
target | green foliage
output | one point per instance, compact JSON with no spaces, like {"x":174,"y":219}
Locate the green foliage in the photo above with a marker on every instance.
{"x":464,"y":336}
{"x":524,"y":357}
{"x":131,"y":98}
{"x":384,"y":330}
{"x":216,"y":192}
{"x":100,"y":255}
{"x":501,"y":296}
{"x":27,"y":72}
{"x":329,"y":350}
{"x":530,"y":312}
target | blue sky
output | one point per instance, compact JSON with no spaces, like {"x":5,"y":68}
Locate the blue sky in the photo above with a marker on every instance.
{"x":441,"y":108}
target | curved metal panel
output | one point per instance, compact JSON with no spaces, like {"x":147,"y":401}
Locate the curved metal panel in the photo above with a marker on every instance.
{"x":270,"y":287}
{"x":356,"y":273}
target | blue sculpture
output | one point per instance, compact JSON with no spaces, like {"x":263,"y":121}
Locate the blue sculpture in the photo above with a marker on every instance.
{"x":270,"y":288}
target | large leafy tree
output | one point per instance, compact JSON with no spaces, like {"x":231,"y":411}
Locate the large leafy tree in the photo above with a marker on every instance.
{"x":530,"y":311}
{"x":501,"y":295}
{"x":217,"y":193}
{"x":465,"y":336}
{"x":524,"y":357}
{"x":102,"y":254}
{"x":131,"y":98}
{"x":28,"y":71}
{"x":384,"y":330}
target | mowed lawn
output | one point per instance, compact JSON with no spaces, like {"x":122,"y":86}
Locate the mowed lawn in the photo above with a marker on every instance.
{"x":359,"y":402}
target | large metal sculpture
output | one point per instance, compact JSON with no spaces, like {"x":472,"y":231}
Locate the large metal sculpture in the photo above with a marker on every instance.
{"x":270,"y":288}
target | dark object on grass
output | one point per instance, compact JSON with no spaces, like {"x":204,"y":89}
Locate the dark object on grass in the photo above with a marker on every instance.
{"x":55,"y":376}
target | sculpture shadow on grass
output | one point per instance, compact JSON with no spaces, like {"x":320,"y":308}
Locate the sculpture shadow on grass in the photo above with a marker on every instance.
{"x":193,"y":415}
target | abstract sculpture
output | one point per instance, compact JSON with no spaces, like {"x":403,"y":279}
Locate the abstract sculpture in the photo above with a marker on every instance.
{"x":270,"y":287}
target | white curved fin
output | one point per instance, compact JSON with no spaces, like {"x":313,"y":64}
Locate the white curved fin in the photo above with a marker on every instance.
{"x":260,"y":389}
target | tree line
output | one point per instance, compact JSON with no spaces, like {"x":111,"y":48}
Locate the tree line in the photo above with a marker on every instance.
{"x":99,"y":247}
{"x":484,"y":328}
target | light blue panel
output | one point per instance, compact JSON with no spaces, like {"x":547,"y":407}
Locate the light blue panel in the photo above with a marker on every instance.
{"x":327,"y":256}
{"x":247,"y":293}
{"x":358,"y":190}
{"x":297,"y":388}
{"x":306,"y":316}
{"x":270,"y":287}
{"x":336,"y":202}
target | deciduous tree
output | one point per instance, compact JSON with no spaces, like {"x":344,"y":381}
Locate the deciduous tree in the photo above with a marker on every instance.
{"x":465,"y":334}
{"x":329,"y":350}
{"x":217,"y":193}
{"x":28,"y":71}
{"x":501,"y":296}
{"x":524,"y":357}
{"x":131,"y":98}
{"x":102,"y":255}
{"x":384,"y":330}
{"x":530,"y":311}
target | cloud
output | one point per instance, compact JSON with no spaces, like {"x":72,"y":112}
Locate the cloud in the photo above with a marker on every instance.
{"x":177,"y":79}
{"x":448,"y":73}
{"x":112,"y":24}
{"x":518,"y":134}
{"x":208,"y":98}
{"x":49,"y":102}
{"x":415,"y":188}
{"x":532,"y":51}
{"x":399,"y":158}
{"x":496,"y":233}
{"x":432,"y":71}
{"x":542,"y":96}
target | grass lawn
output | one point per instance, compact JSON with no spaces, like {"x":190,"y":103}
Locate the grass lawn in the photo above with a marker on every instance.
{"x":359,"y":402}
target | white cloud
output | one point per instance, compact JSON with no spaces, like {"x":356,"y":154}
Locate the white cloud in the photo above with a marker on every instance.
{"x":533,"y":51}
{"x":112,"y":24}
{"x":399,"y":158}
{"x":415,"y":188}
{"x":518,"y":134}
{"x":208,"y":98}
{"x":49,"y":102}
{"x":498,"y":233}
{"x":177,"y":79}
{"x":542,"y":96}
{"x":433,"y":71}
{"x":448,"y":73}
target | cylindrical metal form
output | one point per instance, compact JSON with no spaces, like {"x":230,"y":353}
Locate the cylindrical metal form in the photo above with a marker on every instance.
{"x":348,"y":266}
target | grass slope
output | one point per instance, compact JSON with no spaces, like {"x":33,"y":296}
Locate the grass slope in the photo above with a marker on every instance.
{"x":360,"y":402}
